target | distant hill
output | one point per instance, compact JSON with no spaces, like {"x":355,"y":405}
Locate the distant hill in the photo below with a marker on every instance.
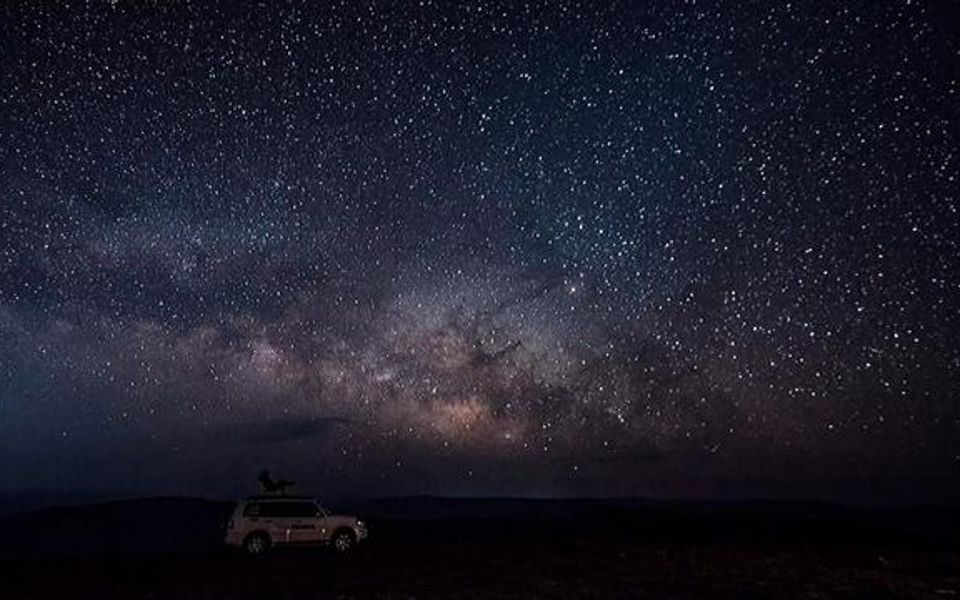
{"x":16,"y":501}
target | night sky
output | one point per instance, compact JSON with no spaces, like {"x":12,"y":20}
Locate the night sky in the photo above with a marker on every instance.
{"x":681,"y":250}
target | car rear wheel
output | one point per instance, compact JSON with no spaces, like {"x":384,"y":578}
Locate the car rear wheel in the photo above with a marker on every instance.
{"x":343,"y":541}
{"x":256,"y":544}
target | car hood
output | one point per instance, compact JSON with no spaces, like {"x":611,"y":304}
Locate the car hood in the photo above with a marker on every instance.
{"x":341,"y":521}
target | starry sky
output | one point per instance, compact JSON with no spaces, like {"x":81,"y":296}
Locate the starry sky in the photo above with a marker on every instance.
{"x":690,"y":249}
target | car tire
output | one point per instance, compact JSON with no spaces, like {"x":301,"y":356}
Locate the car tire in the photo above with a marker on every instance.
{"x":343,"y":541}
{"x":256,"y":544}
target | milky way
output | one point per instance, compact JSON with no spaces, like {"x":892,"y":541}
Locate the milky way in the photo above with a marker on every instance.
{"x":685,"y":250}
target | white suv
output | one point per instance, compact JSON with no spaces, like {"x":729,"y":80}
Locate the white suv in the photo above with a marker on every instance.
{"x":260,"y":522}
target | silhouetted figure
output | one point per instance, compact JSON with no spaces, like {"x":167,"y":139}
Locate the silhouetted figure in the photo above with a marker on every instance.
{"x":270,"y":486}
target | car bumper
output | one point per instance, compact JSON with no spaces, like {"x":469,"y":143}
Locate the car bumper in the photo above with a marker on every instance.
{"x":233,"y":539}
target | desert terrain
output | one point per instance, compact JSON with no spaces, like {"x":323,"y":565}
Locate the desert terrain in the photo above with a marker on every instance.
{"x":485,"y":548}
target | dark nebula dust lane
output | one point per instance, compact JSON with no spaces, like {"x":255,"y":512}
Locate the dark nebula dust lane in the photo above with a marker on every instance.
{"x":559,"y":248}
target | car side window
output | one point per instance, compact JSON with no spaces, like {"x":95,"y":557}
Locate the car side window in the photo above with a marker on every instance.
{"x":286,"y":510}
{"x":283,"y":510}
{"x":273,"y":509}
{"x":303,"y":509}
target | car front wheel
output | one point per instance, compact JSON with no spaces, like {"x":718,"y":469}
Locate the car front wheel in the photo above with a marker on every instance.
{"x":343,"y":541}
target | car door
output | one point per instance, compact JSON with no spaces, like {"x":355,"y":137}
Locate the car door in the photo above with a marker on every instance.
{"x":307,"y":524}
{"x":277,"y":519}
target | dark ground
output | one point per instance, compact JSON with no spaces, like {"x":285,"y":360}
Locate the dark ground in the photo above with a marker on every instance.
{"x":450,"y":548}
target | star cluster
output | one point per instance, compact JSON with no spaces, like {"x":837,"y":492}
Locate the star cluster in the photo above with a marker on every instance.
{"x":699,"y":249}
